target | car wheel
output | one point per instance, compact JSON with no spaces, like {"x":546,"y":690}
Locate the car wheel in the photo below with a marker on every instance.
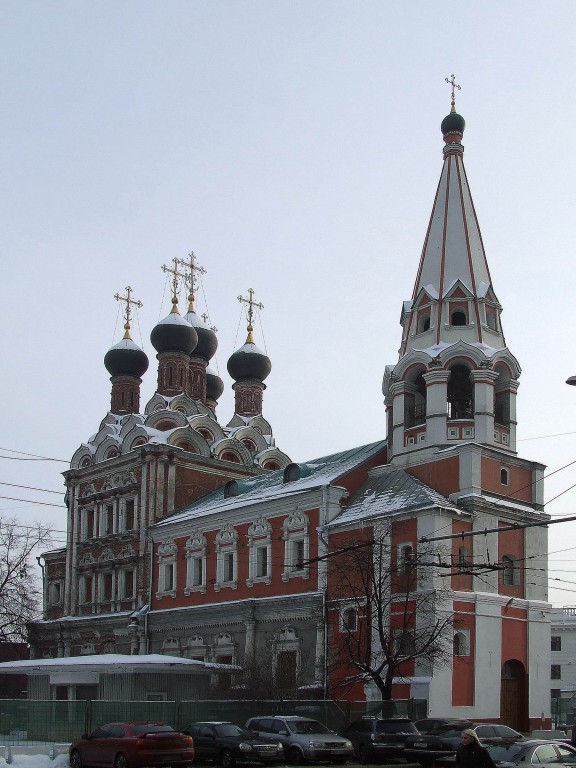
{"x":226,"y":758}
{"x":120,"y":761}
{"x":294,"y":756}
{"x":75,"y":759}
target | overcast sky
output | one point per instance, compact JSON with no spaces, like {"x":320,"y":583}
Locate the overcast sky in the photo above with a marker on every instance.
{"x":295,"y":146}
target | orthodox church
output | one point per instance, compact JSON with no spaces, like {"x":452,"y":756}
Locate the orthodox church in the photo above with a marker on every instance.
{"x":191,"y":539}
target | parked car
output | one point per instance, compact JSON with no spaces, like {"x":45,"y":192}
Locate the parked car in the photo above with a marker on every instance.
{"x":543,"y":752}
{"x":378,"y":738}
{"x":132,"y":745}
{"x":303,"y":738}
{"x":226,"y":743}
{"x":429,"y":724}
{"x":425,"y":748}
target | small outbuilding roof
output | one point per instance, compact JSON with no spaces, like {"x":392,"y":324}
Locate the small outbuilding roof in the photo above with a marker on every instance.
{"x":111,"y":663}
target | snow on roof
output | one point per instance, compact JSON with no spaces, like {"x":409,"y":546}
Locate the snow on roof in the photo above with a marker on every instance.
{"x":387,"y":491}
{"x":113,"y":663}
{"x":270,"y":485}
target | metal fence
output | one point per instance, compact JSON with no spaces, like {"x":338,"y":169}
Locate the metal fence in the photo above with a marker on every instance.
{"x":23,"y":720}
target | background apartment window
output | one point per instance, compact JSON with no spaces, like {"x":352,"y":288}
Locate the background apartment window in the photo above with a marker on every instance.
{"x":555,"y":643}
{"x":106,"y":587}
{"x":555,"y":672}
{"x":128,"y":584}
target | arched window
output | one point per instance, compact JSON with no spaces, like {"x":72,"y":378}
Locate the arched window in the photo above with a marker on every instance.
{"x":271,"y":466}
{"x":230,"y":456}
{"x":249,"y":444}
{"x":349,"y":620}
{"x":405,"y":559}
{"x":186,"y":446}
{"x":458,"y":317}
{"x":459,"y":395}
{"x":460,"y":644}
{"x":424,"y":323}
{"x":504,"y":476}
{"x":206,"y":434}
{"x":510,"y":571}
{"x":415,"y":403}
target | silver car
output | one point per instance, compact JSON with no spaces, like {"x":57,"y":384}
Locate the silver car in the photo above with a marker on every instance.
{"x":303,"y":738}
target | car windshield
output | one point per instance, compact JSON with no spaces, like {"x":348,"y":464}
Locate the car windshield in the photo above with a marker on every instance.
{"x":449,"y":731}
{"x":505,"y":752}
{"x":140,"y":729}
{"x":407,"y":727}
{"x":229,"y":729}
{"x":308,"y":726}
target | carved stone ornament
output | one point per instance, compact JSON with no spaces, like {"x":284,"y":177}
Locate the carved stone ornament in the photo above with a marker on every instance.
{"x":167,"y":548}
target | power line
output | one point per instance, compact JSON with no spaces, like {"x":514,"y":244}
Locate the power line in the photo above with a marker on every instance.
{"x":33,"y":455}
{"x":29,"y":501}
{"x":31,"y":488}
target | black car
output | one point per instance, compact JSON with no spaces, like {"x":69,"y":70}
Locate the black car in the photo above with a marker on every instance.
{"x":429,"y":724}
{"x":227,"y":743}
{"x":378,"y":738}
{"x":543,"y":752}
{"x":446,"y":739}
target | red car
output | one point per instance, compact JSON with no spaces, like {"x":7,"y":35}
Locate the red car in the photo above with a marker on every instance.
{"x":132,"y":745}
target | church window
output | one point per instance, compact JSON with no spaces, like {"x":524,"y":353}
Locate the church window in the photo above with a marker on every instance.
{"x":461,"y":643}
{"x":555,"y":671}
{"x":127,"y":583}
{"x":226,"y":558}
{"x":129,"y":517}
{"x":260,"y":548}
{"x":271,"y":466}
{"x":491,"y":319}
{"x":349,"y":620}
{"x":460,"y":394}
{"x":458,"y":317}
{"x":424,"y":323}
{"x":556,"y":643}
{"x":405,"y":642}
{"x":286,"y":669}
{"x":510,"y":571}
{"x":88,"y":523}
{"x":55,"y":593}
{"x":196,"y":566}
{"x":106,"y":585}
{"x":296,"y":546}
{"x":86,"y":461}
{"x":196,"y":548}
{"x":107,"y":521}
{"x":250,"y":445}
{"x":230,"y":456}
{"x":86,"y":589}
{"x":286,"y":647}
{"x":405,"y":559}
{"x":168,"y":577}
{"x":504,"y":476}
{"x":208,"y":436}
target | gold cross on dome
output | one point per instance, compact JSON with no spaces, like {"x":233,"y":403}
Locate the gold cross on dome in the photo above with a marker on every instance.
{"x":251,"y":304}
{"x":175,"y":275}
{"x":206,"y":318}
{"x":454,"y":84}
{"x":130,"y":302}
{"x":191,"y":277}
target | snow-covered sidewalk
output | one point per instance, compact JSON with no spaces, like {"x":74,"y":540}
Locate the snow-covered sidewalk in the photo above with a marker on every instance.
{"x":35,"y":761}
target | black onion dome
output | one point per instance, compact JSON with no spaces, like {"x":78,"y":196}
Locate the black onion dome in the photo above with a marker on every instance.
{"x":207,"y":340}
{"x":174,"y":334}
{"x":453,"y":123}
{"x":214,"y":384}
{"x":249,"y":362}
{"x":126,"y":359}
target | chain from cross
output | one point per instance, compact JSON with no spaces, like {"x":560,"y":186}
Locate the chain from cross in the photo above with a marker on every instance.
{"x":251,"y":304}
{"x":191,"y":277}
{"x":130,"y":302}
{"x":452,"y":82}
{"x":175,"y":275}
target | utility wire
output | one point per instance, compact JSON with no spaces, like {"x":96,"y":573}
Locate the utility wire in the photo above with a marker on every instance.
{"x":29,"y":501}
{"x":31,"y":488}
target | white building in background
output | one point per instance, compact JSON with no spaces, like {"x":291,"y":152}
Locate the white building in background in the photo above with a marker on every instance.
{"x":563,"y":663}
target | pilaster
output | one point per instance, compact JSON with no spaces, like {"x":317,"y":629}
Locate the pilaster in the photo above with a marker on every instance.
{"x":436,"y":412}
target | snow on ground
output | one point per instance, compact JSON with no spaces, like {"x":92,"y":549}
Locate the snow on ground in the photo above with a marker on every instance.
{"x":36,"y":761}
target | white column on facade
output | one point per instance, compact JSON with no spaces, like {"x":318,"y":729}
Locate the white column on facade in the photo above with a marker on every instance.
{"x":74,"y":524}
{"x":171,"y":489}
{"x":250,"y":639}
{"x":483,"y":381}
{"x":513,"y":387}
{"x":319,"y":655}
{"x":396,"y":392}
{"x":436,"y":406}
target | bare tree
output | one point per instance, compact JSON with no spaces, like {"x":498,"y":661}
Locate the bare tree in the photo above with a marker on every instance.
{"x":19,"y":592}
{"x":389,"y":611}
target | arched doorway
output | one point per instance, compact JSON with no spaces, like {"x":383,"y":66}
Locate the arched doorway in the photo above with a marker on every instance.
{"x":513,"y":700}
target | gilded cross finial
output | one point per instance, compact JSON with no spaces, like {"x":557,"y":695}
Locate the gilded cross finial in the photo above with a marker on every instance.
{"x":175,"y":275}
{"x":251,"y":305}
{"x":130,"y":302}
{"x":454,"y":84}
{"x":191,"y":277}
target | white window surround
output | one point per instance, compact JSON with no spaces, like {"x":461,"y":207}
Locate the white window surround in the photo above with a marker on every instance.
{"x":226,"y":547}
{"x":122,"y":583}
{"x":55,"y":592}
{"x":196,"y":548}
{"x":260,"y":552}
{"x":196,"y":648}
{"x":286,"y":639}
{"x":167,"y":572}
{"x":296,"y":546}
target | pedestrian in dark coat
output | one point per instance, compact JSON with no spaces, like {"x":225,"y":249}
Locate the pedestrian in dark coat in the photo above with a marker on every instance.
{"x":471,"y":754}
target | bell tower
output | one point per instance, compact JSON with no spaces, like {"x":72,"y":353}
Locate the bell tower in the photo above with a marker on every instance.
{"x":455,"y":380}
